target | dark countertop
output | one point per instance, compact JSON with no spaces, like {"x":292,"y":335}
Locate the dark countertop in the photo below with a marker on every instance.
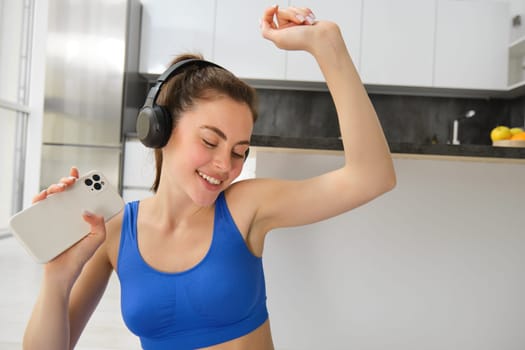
{"x":335,"y":144}
{"x":483,"y":151}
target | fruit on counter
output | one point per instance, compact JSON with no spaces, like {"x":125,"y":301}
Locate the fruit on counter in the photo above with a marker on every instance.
{"x":515,"y":131}
{"x":519,"y":136}
{"x":500,"y":132}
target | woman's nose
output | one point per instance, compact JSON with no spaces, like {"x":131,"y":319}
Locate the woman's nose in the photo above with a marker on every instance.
{"x":222,"y":161}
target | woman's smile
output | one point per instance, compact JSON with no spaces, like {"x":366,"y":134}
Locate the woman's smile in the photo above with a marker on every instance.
{"x":210,"y":179}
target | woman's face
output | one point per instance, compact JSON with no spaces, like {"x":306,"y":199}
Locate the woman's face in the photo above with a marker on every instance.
{"x":206,"y":150}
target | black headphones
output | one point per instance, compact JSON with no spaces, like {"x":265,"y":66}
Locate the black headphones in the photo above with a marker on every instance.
{"x":154,"y":122}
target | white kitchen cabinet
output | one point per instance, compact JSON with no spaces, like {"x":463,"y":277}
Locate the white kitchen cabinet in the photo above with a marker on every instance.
{"x":170,"y":28}
{"x":138,"y":172}
{"x":301,"y":66}
{"x":398,"y":42}
{"x":239,"y":45}
{"x":517,"y":63}
{"x":472,"y":44}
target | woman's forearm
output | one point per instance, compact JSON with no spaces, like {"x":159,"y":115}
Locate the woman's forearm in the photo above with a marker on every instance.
{"x":48,"y":327}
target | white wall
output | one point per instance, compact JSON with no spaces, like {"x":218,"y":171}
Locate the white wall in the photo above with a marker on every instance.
{"x":435,"y":264}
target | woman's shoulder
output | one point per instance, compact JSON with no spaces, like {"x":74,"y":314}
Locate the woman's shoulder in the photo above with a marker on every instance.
{"x":115,"y":225}
{"x":238,"y":191}
{"x":250,"y":185}
{"x":113,"y":229}
{"x":249,"y":190}
{"x":243,"y":197}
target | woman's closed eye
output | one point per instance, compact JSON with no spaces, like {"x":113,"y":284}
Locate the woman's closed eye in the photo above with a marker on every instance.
{"x":209,"y":144}
{"x":237,"y":155}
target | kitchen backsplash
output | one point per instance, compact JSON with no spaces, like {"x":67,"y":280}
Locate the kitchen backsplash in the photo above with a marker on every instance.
{"x":517,"y":111}
{"x":405,"y":119}
{"x":296,"y":114}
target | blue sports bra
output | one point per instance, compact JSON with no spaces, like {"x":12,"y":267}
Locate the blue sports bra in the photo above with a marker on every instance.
{"x":221,"y":298}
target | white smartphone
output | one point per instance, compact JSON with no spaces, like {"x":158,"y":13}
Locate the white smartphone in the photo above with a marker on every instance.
{"x":51,"y":226}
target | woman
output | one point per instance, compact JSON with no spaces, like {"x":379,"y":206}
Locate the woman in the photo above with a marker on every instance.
{"x":188,"y":258}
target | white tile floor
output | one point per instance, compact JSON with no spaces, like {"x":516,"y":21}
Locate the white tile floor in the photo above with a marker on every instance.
{"x":19,"y":288}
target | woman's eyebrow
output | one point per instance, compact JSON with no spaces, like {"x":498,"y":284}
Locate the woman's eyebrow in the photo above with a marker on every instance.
{"x":222,"y":135}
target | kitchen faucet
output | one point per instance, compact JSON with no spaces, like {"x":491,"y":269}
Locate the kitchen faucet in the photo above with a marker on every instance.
{"x":455,"y":127}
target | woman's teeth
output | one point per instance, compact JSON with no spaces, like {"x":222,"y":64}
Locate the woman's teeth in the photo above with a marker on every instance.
{"x":210,"y":179}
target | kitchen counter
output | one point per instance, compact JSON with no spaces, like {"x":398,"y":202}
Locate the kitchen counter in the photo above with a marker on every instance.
{"x":467,"y":151}
{"x":459,"y":152}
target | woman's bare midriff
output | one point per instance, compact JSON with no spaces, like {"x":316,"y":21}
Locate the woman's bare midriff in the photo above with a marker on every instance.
{"x":259,"y":339}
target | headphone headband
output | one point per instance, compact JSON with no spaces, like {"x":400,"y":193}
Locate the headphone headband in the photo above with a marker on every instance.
{"x":171,"y":71}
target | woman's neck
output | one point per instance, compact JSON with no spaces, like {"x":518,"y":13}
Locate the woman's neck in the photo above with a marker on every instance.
{"x":171,"y":207}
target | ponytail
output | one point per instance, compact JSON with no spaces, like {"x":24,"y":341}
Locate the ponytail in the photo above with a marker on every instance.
{"x":158,"y":169}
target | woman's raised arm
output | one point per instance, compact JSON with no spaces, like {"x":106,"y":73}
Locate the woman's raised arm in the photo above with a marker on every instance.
{"x":368,"y":170}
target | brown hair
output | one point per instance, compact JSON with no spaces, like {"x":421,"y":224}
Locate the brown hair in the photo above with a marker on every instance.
{"x":193,"y":83}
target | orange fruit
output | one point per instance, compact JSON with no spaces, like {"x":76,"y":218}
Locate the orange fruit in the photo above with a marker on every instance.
{"x":518,"y":136}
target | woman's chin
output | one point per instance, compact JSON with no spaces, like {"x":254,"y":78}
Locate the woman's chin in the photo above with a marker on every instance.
{"x":205,"y":198}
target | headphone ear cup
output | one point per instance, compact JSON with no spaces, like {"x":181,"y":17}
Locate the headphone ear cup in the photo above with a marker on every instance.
{"x":154,"y":126}
{"x":154,"y":122}
{"x":166,"y":125}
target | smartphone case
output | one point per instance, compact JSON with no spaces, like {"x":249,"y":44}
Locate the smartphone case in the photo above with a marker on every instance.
{"x":51,"y":226}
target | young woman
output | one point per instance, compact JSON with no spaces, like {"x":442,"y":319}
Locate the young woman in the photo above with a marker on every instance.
{"x":188,"y":258}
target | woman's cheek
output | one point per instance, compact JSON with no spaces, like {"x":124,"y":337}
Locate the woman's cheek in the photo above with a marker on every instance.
{"x":199,"y":155}
{"x":236,"y":171}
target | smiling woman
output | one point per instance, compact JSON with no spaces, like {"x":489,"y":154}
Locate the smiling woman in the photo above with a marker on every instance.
{"x":197,"y":243}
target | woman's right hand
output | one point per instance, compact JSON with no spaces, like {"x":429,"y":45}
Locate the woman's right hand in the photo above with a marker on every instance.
{"x":296,"y":28}
{"x":66,"y":267}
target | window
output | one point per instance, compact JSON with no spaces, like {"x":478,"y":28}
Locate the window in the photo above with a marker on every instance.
{"x":15,"y":42}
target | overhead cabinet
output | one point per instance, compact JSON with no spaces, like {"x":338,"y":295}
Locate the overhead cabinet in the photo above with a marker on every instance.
{"x":517,"y":62}
{"x":239,"y":45}
{"x":170,"y":28}
{"x":435,"y":43}
{"x":398,"y":45}
{"x":472,"y":44}
{"x":416,"y":43}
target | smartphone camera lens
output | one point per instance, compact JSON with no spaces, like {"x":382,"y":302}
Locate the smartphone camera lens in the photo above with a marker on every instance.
{"x":96,"y":177}
{"x":97,"y":186}
{"x":88,"y":182}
